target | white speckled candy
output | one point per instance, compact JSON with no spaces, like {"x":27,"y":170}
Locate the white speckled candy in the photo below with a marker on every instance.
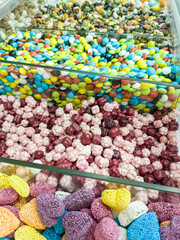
{"x":123,"y":234}
{"x":133,"y":211}
{"x":62,"y":195}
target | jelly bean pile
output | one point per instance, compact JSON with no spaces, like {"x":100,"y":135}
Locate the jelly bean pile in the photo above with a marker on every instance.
{"x":47,"y":213}
{"x":92,"y":55}
{"x":98,"y":138}
{"x":124,"y":16}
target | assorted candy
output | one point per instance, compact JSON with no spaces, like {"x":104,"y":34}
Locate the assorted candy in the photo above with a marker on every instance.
{"x":98,"y":138}
{"x":122,"y":16}
{"x":90,"y":57}
{"x":114,"y":215}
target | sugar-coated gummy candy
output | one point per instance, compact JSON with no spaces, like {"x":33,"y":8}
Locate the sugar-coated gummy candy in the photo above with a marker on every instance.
{"x":133,"y":211}
{"x":58,"y":228}
{"x":9,"y":222}
{"x":77,"y":225}
{"x":4,"y":181}
{"x":28,"y":233}
{"x":21,"y":187}
{"x":41,"y":187}
{"x":62,"y":195}
{"x":49,"y":208}
{"x":172,"y":231}
{"x":80,"y":199}
{"x":99,"y":210}
{"x":50,"y":234}
{"x":123,"y":234}
{"x":107,"y":229}
{"x":30,"y":216}
{"x":116,"y":199}
{"x":164,"y":211}
{"x":8,"y":196}
{"x":144,"y":227}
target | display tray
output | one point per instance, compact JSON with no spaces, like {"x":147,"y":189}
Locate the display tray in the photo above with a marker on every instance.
{"x":8,"y":6}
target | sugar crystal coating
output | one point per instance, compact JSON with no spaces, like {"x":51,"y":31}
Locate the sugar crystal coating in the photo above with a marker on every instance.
{"x":21,"y":187}
{"x":28,"y":233}
{"x":77,"y":225}
{"x":8,"y":196}
{"x":49,"y":208}
{"x":107,"y":229}
{"x":133,"y":211}
{"x":78,"y":200}
{"x":50,"y":234}
{"x":29,"y":215}
{"x":144,"y":227}
{"x":41,"y":187}
{"x":164,"y":211}
{"x":9,"y":222}
{"x":100,"y":210}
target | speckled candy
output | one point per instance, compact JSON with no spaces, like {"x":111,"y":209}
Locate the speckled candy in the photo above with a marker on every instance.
{"x":78,"y":200}
{"x":21,"y":187}
{"x":49,"y":208}
{"x":28,"y":233}
{"x":77,"y":225}
{"x":99,"y":210}
{"x":164,"y":211}
{"x":41,"y":187}
{"x":8,"y":196}
{"x":107,"y":229}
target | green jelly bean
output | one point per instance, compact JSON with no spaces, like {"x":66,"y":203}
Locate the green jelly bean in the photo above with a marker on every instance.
{"x":108,"y":83}
{"x":108,"y":90}
{"x":91,"y":92}
{"x":66,"y":85}
{"x":126,"y":87}
{"x":55,"y":94}
{"x":69,"y":100}
{"x":111,"y":52}
{"x":131,"y":90}
{"x":162,"y":55}
{"x":145,"y":92}
{"x":162,"y":90}
{"x":141,"y":106}
{"x":159,"y":104}
{"x":82,"y":84}
{"x":60,"y":41}
{"x":75,"y":87}
{"x":73,"y":74}
{"x":137,"y":93}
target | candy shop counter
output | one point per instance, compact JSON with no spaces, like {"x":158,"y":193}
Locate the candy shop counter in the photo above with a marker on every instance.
{"x":50,"y":203}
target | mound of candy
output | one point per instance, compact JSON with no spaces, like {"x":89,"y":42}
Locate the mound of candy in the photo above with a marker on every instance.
{"x":91,"y":219}
{"x":98,"y":138}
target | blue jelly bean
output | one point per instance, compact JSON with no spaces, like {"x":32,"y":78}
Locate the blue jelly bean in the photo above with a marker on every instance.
{"x":95,"y":45}
{"x":135,"y":69}
{"x":51,"y":85}
{"x":31,"y":48}
{"x":175,"y":69}
{"x":65,"y":38}
{"x":131,"y":55}
{"x":123,"y":65}
{"x":50,"y":234}
{"x":4,"y":238}
{"x":47,"y":41}
{"x":77,"y":41}
{"x":1,"y":82}
{"x":38,"y":48}
{"x":8,"y":89}
{"x":70,"y":95}
{"x":2,"y":91}
{"x":129,"y":46}
{"x":150,"y":71}
{"x":14,"y":45}
{"x":119,"y":96}
{"x":170,"y":56}
{"x":32,"y":34}
{"x":168,"y":64}
{"x":134,"y":101}
{"x":9,"y":78}
{"x":31,"y":86}
{"x":38,"y":77}
{"x":105,"y":40}
{"x":40,"y":89}
{"x":150,"y":63}
{"x":44,"y":86}
{"x":178,"y":79}
{"x":149,"y":104}
{"x":5,"y":68}
{"x":119,"y":89}
{"x":140,"y":75}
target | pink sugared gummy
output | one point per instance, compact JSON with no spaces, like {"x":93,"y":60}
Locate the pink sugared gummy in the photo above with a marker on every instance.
{"x":99,"y":210}
{"x":107,"y":229}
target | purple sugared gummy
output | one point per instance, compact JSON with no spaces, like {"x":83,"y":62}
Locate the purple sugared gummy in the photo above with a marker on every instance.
{"x":8,"y":196}
{"x":77,"y":225}
{"x":171,"y":232}
{"x":41,"y":187}
{"x":100,"y":210}
{"x":107,"y":229}
{"x":79,"y":200}
{"x":49,"y":208}
{"x":164,"y":211}
{"x":165,"y":232}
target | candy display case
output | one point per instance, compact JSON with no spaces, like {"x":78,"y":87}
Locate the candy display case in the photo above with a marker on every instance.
{"x":27,"y":189}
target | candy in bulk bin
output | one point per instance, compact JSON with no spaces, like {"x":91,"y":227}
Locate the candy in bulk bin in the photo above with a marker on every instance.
{"x":150,"y":17}
{"x":90,"y":60}
{"x":98,"y":138}
{"x":39,"y":210}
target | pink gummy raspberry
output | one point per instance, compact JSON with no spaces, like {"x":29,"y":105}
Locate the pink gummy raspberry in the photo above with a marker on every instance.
{"x":107,"y":229}
{"x":99,"y":210}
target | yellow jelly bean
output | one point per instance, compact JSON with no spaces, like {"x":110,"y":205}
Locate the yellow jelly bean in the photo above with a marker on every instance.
{"x":53,"y":78}
{"x":145,"y":86}
{"x":47,"y":81}
{"x":3,"y":73}
{"x":33,"y":70}
{"x":37,"y":96}
{"x":19,"y":185}
{"x":77,"y":101}
{"x":151,"y":44}
{"x":99,"y":85}
{"x":88,"y":80}
{"x":22,"y":71}
{"x":27,"y":44}
{"x":171,"y":90}
{"x":27,"y":88}
{"x":22,"y":90}
{"x":151,"y":51}
{"x":82,"y":90}
{"x":24,"y":96}
{"x":27,"y":34}
{"x":28,"y":233}
{"x":12,"y":85}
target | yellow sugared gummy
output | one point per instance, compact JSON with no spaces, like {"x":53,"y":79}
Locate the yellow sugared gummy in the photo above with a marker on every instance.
{"x":116,"y":199}
{"x":4,"y":181}
{"x":21,"y":187}
{"x":28,"y":233}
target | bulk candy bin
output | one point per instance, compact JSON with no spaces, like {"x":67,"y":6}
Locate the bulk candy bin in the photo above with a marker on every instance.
{"x":26,"y":192}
